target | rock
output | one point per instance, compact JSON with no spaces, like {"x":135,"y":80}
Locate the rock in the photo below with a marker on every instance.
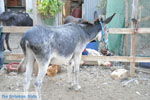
{"x":105,"y":83}
{"x":12,"y":74}
{"x":106,"y":64}
{"x":17,"y":89}
{"x":113,"y":68}
{"x":2,"y":72}
{"x":137,"y":82}
{"x":127,"y":82}
{"x":120,"y":74}
{"x":138,"y":93}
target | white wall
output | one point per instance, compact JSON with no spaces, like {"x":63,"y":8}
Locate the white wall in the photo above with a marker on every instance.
{"x":2,"y":7}
{"x":29,"y":7}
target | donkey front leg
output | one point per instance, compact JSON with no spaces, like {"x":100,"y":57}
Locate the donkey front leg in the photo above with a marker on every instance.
{"x":77,"y":60}
{"x":43,"y":65}
{"x":7,"y":41}
{"x":29,"y":68}
{"x":70,"y":73}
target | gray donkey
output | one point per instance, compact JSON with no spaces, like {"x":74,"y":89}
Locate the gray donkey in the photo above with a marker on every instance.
{"x":61,"y":45}
{"x":72,"y":19}
{"x":10,"y":18}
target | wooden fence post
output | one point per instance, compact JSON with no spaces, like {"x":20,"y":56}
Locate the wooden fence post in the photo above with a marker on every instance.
{"x":126,"y":37}
{"x":134,"y":23}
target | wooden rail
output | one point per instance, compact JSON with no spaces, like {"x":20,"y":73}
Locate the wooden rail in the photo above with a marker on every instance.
{"x":14,"y":29}
{"x":93,"y":58}
{"x":132,"y":59}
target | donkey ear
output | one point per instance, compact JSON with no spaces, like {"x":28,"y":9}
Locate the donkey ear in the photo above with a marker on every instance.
{"x":106,"y":21}
{"x":86,"y":22}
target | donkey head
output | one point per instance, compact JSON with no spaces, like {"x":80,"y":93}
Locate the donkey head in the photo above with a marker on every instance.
{"x":104,"y":22}
{"x":94,"y":29}
{"x":102,"y":26}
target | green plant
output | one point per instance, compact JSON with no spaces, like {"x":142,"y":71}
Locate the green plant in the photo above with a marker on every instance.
{"x":49,"y":8}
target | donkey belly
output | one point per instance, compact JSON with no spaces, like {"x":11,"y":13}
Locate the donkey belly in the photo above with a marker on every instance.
{"x":60,"y":60}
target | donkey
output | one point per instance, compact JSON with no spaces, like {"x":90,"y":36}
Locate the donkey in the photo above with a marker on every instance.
{"x":61,"y":45}
{"x":10,"y":18}
{"x":72,"y":19}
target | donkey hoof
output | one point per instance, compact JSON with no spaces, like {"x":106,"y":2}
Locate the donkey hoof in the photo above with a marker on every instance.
{"x":75,"y":87}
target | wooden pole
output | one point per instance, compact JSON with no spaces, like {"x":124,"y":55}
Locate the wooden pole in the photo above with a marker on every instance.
{"x":37,"y":20}
{"x":126,"y":13}
{"x":133,"y":53}
{"x":133,"y":36}
{"x":126,"y":37}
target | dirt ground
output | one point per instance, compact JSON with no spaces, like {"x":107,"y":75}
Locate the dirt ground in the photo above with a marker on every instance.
{"x":95,"y":81}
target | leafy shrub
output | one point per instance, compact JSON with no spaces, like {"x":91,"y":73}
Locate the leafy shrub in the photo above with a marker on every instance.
{"x":49,"y":8}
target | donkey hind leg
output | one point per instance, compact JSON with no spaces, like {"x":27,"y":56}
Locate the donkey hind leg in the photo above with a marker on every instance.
{"x":7,"y":41}
{"x":3,"y":41}
{"x":29,"y":61}
{"x":43,"y":66}
{"x":22,"y":65}
{"x":69,"y":73}
{"x":77,"y":60}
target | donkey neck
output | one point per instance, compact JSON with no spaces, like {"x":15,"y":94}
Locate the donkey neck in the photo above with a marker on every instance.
{"x":92,"y":31}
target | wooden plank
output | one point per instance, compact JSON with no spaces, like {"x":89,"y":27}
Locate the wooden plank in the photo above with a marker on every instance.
{"x":21,"y":29}
{"x":116,"y":58}
{"x":134,"y":23}
{"x":128,"y":31}
{"x":66,"y":8}
{"x":142,"y":59}
{"x":13,"y":56}
{"x":92,"y":58}
{"x":120,"y":31}
{"x":15,"y":29}
{"x":143,"y":30}
{"x":106,"y":58}
{"x":133,"y":53}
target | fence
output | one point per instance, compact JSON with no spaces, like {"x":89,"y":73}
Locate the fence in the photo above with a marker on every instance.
{"x":128,"y":31}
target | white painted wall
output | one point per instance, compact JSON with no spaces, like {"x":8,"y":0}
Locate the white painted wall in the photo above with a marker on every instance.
{"x":29,"y":7}
{"x":2,"y":7}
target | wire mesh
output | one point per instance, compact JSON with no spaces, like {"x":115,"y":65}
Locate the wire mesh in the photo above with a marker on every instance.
{"x":143,"y":40}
